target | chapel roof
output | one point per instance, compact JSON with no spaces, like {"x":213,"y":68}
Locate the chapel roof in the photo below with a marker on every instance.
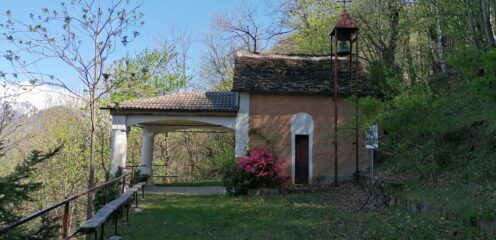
{"x":292,"y":74}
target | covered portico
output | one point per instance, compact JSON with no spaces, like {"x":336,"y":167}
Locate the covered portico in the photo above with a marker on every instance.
{"x":223,"y":111}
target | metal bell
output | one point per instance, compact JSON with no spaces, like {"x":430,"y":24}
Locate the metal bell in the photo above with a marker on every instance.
{"x":344,"y":48}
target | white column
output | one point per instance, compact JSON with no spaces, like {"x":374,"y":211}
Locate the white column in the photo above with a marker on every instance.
{"x":242,"y":125}
{"x":147,"y":153}
{"x":118,"y":147}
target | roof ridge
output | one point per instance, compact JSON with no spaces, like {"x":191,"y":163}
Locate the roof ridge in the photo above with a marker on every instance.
{"x":288,"y":56}
{"x":281,"y":56}
{"x":185,"y":101}
{"x":195,"y":93}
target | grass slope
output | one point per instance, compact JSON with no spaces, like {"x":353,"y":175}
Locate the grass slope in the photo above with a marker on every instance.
{"x":289,"y":216}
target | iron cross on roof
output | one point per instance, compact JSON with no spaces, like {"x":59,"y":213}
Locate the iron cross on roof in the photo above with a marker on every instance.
{"x":343,"y":2}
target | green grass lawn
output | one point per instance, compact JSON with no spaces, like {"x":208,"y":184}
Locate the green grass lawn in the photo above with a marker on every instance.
{"x":287,"y":216}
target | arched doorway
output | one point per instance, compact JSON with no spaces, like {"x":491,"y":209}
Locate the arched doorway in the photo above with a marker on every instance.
{"x":301,"y":148}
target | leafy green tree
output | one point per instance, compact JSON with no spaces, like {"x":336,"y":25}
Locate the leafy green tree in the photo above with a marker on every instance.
{"x":150,"y":73}
{"x":312,"y":22}
{"x":65,"y":174}
{"x":445,"y":129}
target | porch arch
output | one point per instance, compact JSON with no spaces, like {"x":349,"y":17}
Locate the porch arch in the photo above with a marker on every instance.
{"x":185,"y":121}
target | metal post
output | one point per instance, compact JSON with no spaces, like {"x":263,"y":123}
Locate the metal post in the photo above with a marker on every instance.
{"x":115,"y":223}
{"x":66,"y":219}
{"x":136,"y":198}
{"x":357,"y":139}
{"x":372,"y":168}
{"x":123,"y":184}
{"x":128,"y":205}
{"x":336,"y":108}
{"x":105,"y":193}
{"x":330,"y":74}
{"x":356,"y":109}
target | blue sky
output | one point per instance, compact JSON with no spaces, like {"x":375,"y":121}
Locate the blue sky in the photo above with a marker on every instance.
{"x":192,"y":16}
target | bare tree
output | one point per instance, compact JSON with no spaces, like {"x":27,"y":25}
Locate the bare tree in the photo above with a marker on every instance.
{"x":81,"y":34}
{"x":229,"y":33}
{"x":248,"y":31}
{"x":217,"y":67}
{"x":12,"y":115}
{"x":7,"y":117}
{"x":381,"y":28}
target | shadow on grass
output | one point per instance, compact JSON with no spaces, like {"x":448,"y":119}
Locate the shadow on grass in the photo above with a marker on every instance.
{"x":288,"y":216}
{"x":222,"y":217}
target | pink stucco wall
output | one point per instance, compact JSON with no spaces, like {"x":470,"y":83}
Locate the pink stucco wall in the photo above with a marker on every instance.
{"x":270,"y":126}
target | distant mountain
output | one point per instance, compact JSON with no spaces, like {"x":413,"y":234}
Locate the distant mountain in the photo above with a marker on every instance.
{"x":28,"y":99}
{"x":25,"y":108}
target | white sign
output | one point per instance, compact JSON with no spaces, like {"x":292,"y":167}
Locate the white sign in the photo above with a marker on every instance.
{"x":372,"y":137}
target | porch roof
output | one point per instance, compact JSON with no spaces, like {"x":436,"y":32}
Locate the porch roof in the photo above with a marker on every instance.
{"x":184,"y":102}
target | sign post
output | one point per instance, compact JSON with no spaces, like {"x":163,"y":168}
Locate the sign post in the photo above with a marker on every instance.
{"x":372,"y":142}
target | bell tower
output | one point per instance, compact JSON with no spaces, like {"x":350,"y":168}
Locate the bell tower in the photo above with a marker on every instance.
{"x":343,"y":37}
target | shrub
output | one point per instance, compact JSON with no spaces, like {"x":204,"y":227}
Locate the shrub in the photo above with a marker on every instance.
{"x":259,"y":168}
{"x":137,"y":177}
{"x":112,"y":191}
{"x":234,"y":180}
{"x":263,"y":167}
{"x":443,"y":132}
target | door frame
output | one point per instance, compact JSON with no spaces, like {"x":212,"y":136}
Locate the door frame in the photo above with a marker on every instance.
{"x":302,"y":124}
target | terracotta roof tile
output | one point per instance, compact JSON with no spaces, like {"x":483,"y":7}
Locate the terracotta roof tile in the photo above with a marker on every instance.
{"x":197,"y":101}
{"x":346,"y":21}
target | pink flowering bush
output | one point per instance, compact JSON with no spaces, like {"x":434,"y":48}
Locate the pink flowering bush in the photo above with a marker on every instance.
{"x":259,"y":169}
{"x":263,"y":167}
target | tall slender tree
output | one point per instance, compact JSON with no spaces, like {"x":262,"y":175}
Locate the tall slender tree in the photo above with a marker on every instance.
{"x":82,"y":35}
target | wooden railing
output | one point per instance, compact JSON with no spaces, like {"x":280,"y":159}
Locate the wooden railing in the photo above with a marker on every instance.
{"x":163,"y":178}
{"x":66,"y":203}
{"x":133,"y":168}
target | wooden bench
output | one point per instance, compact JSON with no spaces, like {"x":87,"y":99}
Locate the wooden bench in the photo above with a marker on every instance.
{"x":98,"y":220}
{"x":136,"y":188}
{"x":141,"y":185}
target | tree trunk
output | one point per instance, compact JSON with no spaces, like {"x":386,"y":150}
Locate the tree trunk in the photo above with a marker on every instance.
{"x":166,"y":140}
{"x":486,"y":23}
{"x":394,"y":12}
{"x":93,"y":101}
{"x":102,"y":153}
{"x":91,"y":167}
{"x":439,"y":40}
{"x":471,"y":26}
{"x":493,"y":16}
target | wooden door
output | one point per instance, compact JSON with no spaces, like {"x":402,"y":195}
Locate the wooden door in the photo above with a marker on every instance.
{"x":301,"y":159}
